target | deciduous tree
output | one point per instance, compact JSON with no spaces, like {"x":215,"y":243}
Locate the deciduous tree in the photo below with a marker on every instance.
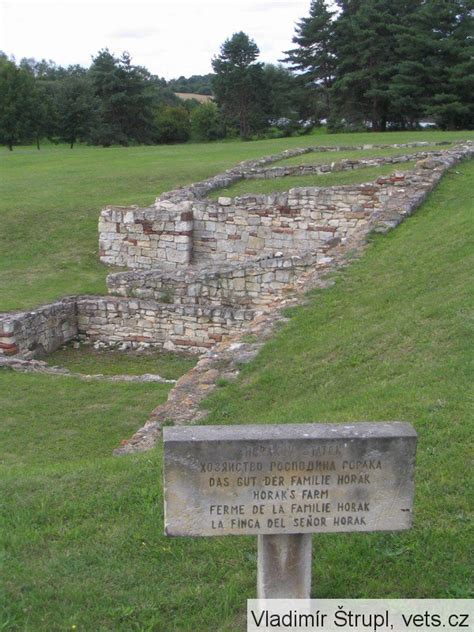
{"x":77,"y":109}
{"x":16,"y":103}
{"x":206,"y":123}
{"x":172,"y":124}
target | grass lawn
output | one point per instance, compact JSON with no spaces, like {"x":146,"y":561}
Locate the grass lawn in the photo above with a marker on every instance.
{"x":272,"y":185}
{"x":83,"y":531}
{"x":56,"y":420}
{"x":88,"y":360}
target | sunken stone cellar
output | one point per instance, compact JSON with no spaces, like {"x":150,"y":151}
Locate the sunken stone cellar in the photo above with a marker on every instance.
{"x":199,"y":269}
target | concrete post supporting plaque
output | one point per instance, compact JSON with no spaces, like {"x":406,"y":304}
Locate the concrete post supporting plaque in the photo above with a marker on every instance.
{"x":284,"y":566}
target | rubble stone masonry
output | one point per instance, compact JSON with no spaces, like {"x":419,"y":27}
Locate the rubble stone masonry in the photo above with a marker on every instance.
{"x":254,"y":284}
{"x":40,"y":331}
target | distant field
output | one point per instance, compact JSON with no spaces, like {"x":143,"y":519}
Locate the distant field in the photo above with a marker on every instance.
{"x":187,"y":96}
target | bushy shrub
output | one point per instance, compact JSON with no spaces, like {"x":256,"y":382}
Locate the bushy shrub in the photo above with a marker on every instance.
{"x":172,"y":124}
{"x":206,"y":123}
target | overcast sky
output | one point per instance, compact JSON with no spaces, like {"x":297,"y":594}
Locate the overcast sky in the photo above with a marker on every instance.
{"x":170,"y":38}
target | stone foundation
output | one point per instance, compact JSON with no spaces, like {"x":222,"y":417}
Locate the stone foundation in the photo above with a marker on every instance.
{"x":183,"y":227}
{"x":118,"y":322}
{"x":203,"y":270}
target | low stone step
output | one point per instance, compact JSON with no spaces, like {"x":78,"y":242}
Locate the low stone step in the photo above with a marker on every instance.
{"x":253,"y":284}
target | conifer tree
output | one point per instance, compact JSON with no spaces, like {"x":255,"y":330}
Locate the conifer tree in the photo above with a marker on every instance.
{"x":435,"y":76}
{"x":282,"y":88}
{"x":314,"y":55}
{"x":126,"y":113}
{"x":239,"y":85}
{"x":366,"y":49}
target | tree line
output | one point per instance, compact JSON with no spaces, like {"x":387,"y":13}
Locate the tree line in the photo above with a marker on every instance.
{"x":113,"y":102}
{"x":196,"y":84}
{"x":360,"y":64}
{"x":355,"y":64}
{"x":388,"y":62}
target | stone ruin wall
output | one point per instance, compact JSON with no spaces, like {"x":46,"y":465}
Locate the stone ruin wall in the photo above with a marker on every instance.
{"x":187,"y":311}
{"x":202,"y":269}
{"x":118,"y":322}
{"x":146,"y":237}
{"x":183,"y":227}
{"x":125,"y":322}
{"x":40,"y":331}
{"x":301,"y":220}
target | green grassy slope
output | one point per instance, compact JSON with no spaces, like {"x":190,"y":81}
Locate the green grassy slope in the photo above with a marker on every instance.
{"x":60,"y":420}
{"x":83,"y":531}
{"x":50,"y":202}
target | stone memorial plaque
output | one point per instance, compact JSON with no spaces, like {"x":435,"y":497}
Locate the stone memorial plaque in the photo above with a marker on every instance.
{"x":282,"y":479}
